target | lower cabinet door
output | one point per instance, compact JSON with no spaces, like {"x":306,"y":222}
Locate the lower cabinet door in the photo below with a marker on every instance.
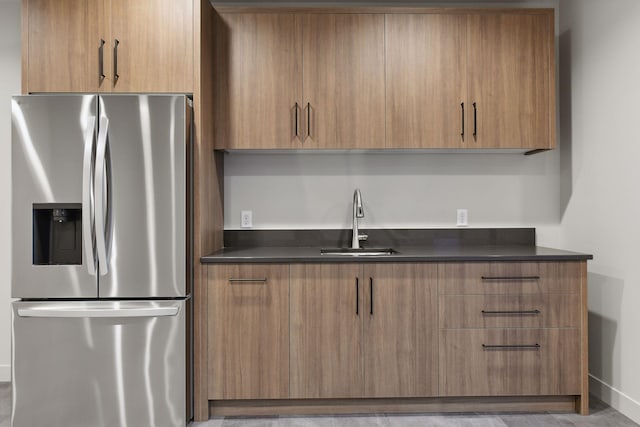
{"x":400,"y":330}
{"x":326,"y":331}
{"x":248,"y":331}
{"x":509,"y":362}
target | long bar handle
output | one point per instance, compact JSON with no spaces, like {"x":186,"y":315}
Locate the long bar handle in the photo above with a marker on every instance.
{"x":296,"y":119}
{"x":116,"y":76}
{"x":99,"y":183}
{"x":308,"y":119}
{"x":248,"y":280}
{"x":101,"y":59}
{"x":510,"y":312}
{"x":357,"y":297}
{"x":511,"y":347}
{"x":87,"y":195}
{"x":371,"y":295}
{"x":97,"y":312}
{"x":512,"y":278}
{"x":475,"y":120}
{"x":462,"y":132}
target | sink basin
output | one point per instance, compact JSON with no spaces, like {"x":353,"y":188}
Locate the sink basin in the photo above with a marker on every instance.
{"x":357,"y":252}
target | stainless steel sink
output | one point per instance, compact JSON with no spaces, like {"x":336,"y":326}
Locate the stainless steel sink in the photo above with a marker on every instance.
{"x":357,"y":251}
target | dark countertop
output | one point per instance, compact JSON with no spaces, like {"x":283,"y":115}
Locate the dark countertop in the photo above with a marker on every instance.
{"x":281,"y":254}
{"x":410,"y":245}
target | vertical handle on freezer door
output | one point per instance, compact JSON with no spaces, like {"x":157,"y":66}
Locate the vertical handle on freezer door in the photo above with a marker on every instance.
{"x":100,"y":196}
{"x":87,"y":195}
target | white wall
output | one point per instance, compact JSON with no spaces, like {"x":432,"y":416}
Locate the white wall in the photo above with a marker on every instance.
{"x":398,"y":190}
{"x":9,"y":85}
{"x":600,"y":155}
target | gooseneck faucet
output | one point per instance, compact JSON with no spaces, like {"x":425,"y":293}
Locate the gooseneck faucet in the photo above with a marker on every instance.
{"x":358,"y":212}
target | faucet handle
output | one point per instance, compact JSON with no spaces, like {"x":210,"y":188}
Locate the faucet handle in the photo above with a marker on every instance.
{"x":363,"y":236}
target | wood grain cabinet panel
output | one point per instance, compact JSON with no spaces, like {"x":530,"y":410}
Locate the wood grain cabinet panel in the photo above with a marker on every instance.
{"x":258,"y":82}
{"x":155,"y":49}
{"x":62,"y":46}
{"x":400,"y":339}
{"x":83,"y":45}
{"x":510,"y":362}
{"x":248,"y":331}
{"x":343,"y":76}
{"x":560,"y":310}
{"x":511,"y":80}
{"x":426,"y":80}
{"x":509,"y":278}
{"x":326,"y":331}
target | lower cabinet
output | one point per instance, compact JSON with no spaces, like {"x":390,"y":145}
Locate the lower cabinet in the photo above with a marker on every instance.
{"x":363,"y":330}
{"x":248,"y":331}
{"x":393,"y":330}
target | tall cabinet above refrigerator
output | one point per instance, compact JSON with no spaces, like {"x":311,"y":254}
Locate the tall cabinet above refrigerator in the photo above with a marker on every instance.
{"x":101,"y":247}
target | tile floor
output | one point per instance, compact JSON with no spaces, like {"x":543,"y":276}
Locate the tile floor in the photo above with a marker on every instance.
{"x":601,"y":416}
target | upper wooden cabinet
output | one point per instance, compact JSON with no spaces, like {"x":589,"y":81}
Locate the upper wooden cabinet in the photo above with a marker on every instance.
{"x":108,"y":46}
{"x":484,"y":79}
{"x":426,"y":80}
{"x":286,"y":80}
{"x":343,"y":81}
{"x":258,"y":85}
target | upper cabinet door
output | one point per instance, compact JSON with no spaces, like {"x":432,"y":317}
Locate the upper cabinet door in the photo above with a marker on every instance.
{"x":62,"y":46}
{"x":511,"y":80}
{"x":258,"y":85}
{"x":426,"y":81}
{"x":151,"y":45}
{"x":343,"y":80}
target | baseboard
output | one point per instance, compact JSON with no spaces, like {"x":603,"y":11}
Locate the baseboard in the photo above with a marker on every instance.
{"x":5,"y":373}
{"x":615,"y":398}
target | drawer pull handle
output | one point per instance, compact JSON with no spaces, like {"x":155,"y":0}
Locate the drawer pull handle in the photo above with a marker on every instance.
{"x":511,"y":278}
{"x":511,"y":347}
{"x":510,"y":312}
{"x":252,"y":280}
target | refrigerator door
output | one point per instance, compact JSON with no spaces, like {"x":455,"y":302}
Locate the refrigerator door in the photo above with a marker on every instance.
{"x":53,"y":143}
{"x":99,"y":364}
{"x":141,"y":196}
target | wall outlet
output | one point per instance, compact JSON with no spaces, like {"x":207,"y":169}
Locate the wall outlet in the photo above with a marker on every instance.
{"x":462,"y":218}
{"x":246,"y":219}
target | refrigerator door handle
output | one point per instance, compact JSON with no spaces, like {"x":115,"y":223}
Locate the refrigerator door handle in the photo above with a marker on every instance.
{"x":69,"y":312}
{"x":87,"y":196}
{"x":99,"y":182}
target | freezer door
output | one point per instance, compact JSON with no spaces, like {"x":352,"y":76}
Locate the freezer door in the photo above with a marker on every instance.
{"x":52,"y":143}
{"x":99,"y":364}
{"x":141,"y":196}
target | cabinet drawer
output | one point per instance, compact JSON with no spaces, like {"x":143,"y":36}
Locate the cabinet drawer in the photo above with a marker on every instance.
{"x":509,"y":362}
{"x":510,"y":311}
{"x":509,"y":277}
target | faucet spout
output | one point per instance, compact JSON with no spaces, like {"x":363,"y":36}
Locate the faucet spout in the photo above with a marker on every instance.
{"x":358,"y":212}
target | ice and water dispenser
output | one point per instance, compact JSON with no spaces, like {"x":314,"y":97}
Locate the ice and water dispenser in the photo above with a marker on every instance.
{"x":57,"y":234}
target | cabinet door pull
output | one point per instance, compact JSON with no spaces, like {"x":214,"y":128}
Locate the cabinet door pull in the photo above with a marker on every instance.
{"x":371,"y":295}
{"x":101,"y":59}
{"x":116,"y":76}
{"x":462,"y":107}
{"x":248,"y":280}
{"x":511,"y":347}
{"x":296,"y":119}
{"x":475,"y":120}
{"x":357,"y":298}
{"x":510,"y":313}
{"x":521,"y":278}
{"x":308,"y":119}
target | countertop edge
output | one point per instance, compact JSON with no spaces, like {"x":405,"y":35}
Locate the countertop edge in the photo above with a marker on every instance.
{"x":231,"y":257}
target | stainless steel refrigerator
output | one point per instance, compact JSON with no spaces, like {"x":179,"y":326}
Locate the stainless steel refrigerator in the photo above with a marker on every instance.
{"x":100,"y":245}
